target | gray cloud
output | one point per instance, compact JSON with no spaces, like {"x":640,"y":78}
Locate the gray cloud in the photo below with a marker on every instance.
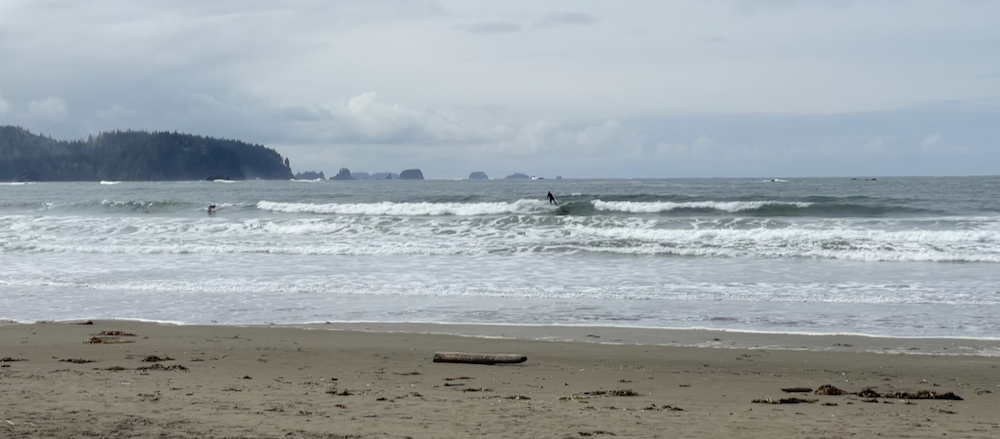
{"x":494,"y":28}
{"x":763,"y":5}
{"x":387,"y":84}
{"x":545,"y":21}
{"x":567,"y":18}
{"x":49,"y":109}
{"x":780,"y":5}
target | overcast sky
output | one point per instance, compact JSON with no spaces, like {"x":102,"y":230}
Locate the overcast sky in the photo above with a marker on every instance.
{"x":579,"y":88}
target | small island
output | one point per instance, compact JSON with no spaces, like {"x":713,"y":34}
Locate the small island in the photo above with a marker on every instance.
{"x":517,"y":176}
{"x":478,"y":175}
{"x":375,"y":176}
{"x":411,"y":174}
{"x":310,"y":175}
{"x":344,"y":174}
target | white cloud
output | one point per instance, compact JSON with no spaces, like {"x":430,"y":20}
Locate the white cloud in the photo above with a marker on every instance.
{"x":610,"y":138}
{"x":546,"y":138}
{"x":937,"y":144}
{"x":49,"y":109}
{"x":931,"y":141}
{"x":366,"y":119}
{"x":370,"y":122}
{"x":875,"y":146}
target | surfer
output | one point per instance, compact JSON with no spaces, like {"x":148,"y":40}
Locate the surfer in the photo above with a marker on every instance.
{"x":211,"y":208}
{"x":552,"y":200}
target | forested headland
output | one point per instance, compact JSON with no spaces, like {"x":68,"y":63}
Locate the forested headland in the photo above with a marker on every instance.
{"x":134,"y":155}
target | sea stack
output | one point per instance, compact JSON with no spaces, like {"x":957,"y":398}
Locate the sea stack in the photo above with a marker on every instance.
{"x":344,"y":174}
{"x":411,"y":174}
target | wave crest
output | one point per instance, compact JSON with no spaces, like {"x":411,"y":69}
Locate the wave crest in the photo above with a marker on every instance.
{"x":667,"y":206}
{"x":411,"y":209}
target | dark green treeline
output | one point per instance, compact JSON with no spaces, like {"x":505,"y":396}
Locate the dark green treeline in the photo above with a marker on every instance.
{"x":134,"y":155}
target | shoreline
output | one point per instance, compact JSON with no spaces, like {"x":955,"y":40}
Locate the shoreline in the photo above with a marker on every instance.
{"x":698,"y":338}
{"x":321,"y":381}
{"x":641,"y":336}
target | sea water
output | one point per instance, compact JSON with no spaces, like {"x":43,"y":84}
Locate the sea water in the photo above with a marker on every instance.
{"x":902,"y":257}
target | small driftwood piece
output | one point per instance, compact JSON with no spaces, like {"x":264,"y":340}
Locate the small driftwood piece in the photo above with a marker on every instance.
{"x":467,"y":357}
{"x":796,"y":389}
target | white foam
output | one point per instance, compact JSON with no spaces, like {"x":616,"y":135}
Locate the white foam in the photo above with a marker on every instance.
{"x":224,"y":181}
{"x":377,"y":234}
{"x":410,"y":209}
{"x":666,"y":206}
{"x":854,"y":244}
{"x":107,"y":202}
{"x":109,"y":182}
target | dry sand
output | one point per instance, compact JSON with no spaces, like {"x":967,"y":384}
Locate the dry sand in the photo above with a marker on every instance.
{"x":280,"y":382}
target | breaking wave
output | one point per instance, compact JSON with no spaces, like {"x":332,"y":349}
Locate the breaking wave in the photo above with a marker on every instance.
{"x":511,"y":234}
{"x":667,"y":206}
{"x":411,"y":209}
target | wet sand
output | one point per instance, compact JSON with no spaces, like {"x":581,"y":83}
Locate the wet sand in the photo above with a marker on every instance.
{"x":379,"y":381}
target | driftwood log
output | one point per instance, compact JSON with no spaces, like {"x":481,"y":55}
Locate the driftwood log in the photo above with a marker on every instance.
{"x":468,"y":357}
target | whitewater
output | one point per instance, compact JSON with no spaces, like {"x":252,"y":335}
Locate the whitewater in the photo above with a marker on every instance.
{"x":898,"y":257}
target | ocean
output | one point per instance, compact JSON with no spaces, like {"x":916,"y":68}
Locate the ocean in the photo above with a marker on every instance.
{"x":897,"y":257}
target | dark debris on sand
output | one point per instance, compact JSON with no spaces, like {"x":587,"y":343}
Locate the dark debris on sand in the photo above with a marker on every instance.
{"x":784,"y":401}
{"x":869,"y":393}
{"x":105,"y":340}
{"x":117,"y":334}
{"x":158,"y":366}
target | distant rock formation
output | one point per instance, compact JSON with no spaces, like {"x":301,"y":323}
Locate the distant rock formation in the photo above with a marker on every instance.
{"x":478,"y":175}
{"x":558,"y":177}
{"x":517,"y":176}
{"x":344,"y":174}
{"x":310,"y":175}
{"x":384,"y":176}
{"x":361,"y":176}
{"x":411,"y":174}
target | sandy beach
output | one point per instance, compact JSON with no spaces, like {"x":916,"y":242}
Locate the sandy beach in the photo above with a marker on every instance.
{"x":379,"y":381}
